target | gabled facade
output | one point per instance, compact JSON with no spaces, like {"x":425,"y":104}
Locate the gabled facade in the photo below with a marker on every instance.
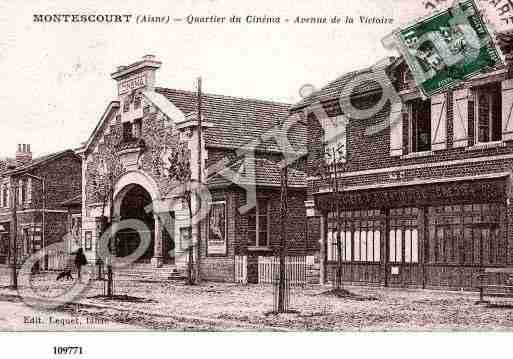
{"x":143,"y":126}
{"x":425,"y":202}
{"x":41,"y":218}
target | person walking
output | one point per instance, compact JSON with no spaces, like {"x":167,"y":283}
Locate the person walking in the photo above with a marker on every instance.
{"x":80,"y":260}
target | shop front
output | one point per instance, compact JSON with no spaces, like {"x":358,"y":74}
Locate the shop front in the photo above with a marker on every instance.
{"x":428,"y":234}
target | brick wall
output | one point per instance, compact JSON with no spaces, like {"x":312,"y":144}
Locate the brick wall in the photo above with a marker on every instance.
{"x":63,"y":181}
{"x":373,"y":152}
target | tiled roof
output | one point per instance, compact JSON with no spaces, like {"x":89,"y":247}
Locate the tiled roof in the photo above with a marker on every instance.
{"x":238,"y":121}
{"x":267,"y":174}
{"x":338,"y":88}
{"x":6,"y":163}
{"x":39,"y":161}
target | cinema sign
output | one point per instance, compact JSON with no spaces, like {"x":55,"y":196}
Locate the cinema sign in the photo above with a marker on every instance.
{"x":134,"y":83}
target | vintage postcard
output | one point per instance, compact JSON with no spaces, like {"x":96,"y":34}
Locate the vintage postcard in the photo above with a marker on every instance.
{"x":270,"y":166}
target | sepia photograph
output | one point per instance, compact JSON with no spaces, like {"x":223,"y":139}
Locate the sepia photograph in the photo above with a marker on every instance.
{"x":259,"y":167}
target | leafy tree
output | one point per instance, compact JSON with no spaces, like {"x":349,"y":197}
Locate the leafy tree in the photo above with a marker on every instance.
{"x":178,"y":170}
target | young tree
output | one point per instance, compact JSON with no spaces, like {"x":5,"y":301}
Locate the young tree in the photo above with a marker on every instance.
{"x":103,"y":181}
{"x":329,"y":169}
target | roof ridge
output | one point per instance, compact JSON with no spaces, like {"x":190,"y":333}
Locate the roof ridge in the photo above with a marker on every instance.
{"x":38,"y":160}
{"x":271,"y":102}
{"x":353,"y":73}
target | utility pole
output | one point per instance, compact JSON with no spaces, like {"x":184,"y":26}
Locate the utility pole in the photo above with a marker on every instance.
{"x":110,"y":278}
{"x":284,"y":210}
{"x":14,"y":234}
{"x":200,"y":179}
{"x":338,"y":279}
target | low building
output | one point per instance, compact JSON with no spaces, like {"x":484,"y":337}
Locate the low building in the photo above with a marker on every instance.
{"x":426,"y":202}
{"x":41,"y":185}
{"x":142,"y":130}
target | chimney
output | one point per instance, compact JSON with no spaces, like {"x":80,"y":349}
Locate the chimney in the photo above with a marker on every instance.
{"x":23,"y":155}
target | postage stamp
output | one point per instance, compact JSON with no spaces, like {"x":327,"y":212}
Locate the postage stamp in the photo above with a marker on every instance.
{"x":448,"y":47}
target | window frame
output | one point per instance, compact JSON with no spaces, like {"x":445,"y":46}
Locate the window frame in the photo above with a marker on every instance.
{"x":257,"y":230}
{"x":475,"y":94}
{"x":5,"y":195}
{"x":137,"y":102}
{"x":410,"y":144}
{"x":354,"y":224}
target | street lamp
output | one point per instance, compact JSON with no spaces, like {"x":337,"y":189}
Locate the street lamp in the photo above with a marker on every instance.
{"x":42,"y":180}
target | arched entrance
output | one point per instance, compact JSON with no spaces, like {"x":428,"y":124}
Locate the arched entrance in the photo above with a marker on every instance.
{"x":134,"y":193}
{"x":133,"y":206}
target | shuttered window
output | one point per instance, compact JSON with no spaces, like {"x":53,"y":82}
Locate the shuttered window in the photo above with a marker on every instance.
{"x":487,"y":114}
{"x":419,"y":126}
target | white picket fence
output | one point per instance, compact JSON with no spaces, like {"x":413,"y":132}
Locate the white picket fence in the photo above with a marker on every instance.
{"x":241,"y":269}
{"x":295,"y":270}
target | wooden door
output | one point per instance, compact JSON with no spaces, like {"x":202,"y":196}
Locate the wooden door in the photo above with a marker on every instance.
{"x":403,"y":267}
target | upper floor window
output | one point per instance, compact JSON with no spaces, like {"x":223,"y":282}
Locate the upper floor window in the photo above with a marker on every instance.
{"x":137,"y":102}
{"x":419,"y":126}
{"x":126,"y":106}
{"x":23,"y":190}
{"x":258,"y":224}
{"x":5,"y":196}
{"x":487,"y":114}
{"x":335,"y":139}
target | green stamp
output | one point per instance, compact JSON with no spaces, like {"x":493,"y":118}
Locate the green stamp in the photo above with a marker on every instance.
{"x":448,"y":47}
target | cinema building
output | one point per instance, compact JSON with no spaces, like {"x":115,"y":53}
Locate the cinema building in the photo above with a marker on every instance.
{"x":142,"y":128}
{"x":426,"y":203}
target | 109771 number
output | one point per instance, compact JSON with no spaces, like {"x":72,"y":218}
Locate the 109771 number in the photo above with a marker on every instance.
{"x":68,"y":351}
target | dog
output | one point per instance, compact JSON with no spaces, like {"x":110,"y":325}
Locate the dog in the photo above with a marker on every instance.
{"x":65,"y":275}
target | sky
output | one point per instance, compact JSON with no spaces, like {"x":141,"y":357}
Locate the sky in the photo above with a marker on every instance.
{"x":56,"y":77}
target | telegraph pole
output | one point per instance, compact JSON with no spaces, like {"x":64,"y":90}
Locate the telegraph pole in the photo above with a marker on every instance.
{"x":200,"y":178}
{"x":338,"y":279}
{"x":284,"y":210}
{"x":14,"y":234}
{"x":110,"y":275}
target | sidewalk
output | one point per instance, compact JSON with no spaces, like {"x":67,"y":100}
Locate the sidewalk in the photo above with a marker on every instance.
{"x":227,"y":306}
